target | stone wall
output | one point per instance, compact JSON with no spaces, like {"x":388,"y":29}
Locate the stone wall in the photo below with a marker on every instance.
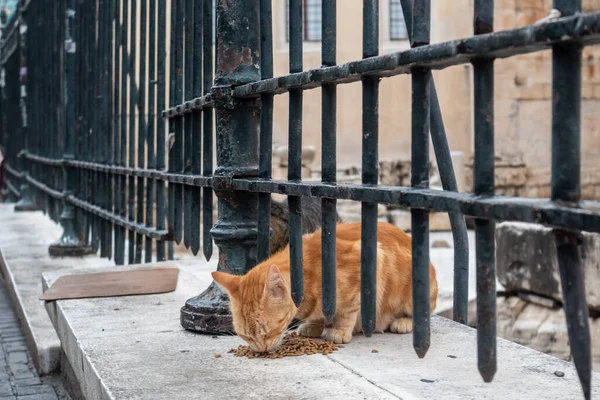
{"x":541,"y":327}
{"x":532,"y":314}
{"x":523,"y":117}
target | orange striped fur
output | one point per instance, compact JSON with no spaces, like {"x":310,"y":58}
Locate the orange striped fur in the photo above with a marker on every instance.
{"x":262,"y":306}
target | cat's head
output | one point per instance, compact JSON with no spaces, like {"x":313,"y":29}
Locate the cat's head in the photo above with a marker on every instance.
{"x":261,"y":306}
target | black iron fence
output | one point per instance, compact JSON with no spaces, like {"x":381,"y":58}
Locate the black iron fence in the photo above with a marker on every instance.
{"x":100,"y":137}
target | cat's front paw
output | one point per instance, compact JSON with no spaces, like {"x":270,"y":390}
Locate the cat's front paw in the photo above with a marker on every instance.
{"x":308,"y":329}
{"x":402,"y":325}
{"x":338,"y":335}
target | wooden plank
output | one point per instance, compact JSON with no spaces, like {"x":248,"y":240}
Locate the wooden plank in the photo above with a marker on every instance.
{"x":113,"y":284}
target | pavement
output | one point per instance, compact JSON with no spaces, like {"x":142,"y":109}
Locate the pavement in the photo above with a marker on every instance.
{"x":18,"y":377}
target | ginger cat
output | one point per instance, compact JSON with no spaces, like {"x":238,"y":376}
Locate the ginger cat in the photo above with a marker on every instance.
{"x":262,"y":306}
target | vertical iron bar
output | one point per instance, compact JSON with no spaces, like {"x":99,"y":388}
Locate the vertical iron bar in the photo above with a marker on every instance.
{"x":483,"y":71}
{"x":107,"y":120}
{"x":178,"y":144}
{"x":295,"y":154}
{"x":207,"y":129}
{"x":448,"y":178}
{"x":329,"y":161}
{"x":172,"y":103}
{"x":161,"y":101}
{"x":195,"y":139}
{"x":88,"y":120}
{"x":421,"y":81}
{"x":142,"y":128}
{"x":151,"y":127}
{"x":120,"y":256}
{"x":266,"y":129}
{"x":566,"y":188}
{"x":370,"y":171}
{"x":94,"y":81}
{"x":96,"y":195}
{"x":110,"y":122}
{"x":116,"y":119}
{"x":188,"y":65}
{"x":102,"y":118}
{"x":132,"y":132}
{"x":79,"y":106}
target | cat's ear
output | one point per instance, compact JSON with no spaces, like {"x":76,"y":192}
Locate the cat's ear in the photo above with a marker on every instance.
{"x":275,"y":286}
{"x":227,"y":281}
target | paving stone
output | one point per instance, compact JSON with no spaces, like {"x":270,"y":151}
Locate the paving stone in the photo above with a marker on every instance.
{"x":5,"y":388}
{"x":19,"y":357}
{"x":22,"y":371}
{"x":11,"y":333}
{"x":15,"y":348}
{"x":43,"y":396}
{"x":8,"y":398}
{"x":28,"y":381}
{"x":37,"y":389}
{"x":13,"y":339}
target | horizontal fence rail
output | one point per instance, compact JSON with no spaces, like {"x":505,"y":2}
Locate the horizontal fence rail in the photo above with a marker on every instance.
{"x":111,"y":110}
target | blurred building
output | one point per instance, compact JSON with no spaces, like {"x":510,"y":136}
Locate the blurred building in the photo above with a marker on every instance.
{"x":522,"y":88}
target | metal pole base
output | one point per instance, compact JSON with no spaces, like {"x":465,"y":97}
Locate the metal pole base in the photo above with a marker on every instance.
{"x":59,"y":249}
{"x":25,"y":204}
{"x":208,"y":312}
{"x":69,"y":244}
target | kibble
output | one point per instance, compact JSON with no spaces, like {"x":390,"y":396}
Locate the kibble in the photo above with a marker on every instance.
{"x":292,"y":345}
{"x":374,"y":351}
{"x":217,"y":356}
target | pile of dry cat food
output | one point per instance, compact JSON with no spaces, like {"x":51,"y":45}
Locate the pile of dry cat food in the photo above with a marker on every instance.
{"x":291,"y":346}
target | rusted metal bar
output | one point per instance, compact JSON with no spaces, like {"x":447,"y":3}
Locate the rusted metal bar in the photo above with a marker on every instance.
{"x":207,"y":129}
{"x":421,"y":91}
{"x":161,"y":56}
{"x":122,"y":158}
{"x":584,"y":27}
{"x":177,"y":146}
{"x":370,"y":171}
{"x":566,"y":189}
{"x":151,"y":128}
{"x":266,"y":130}
{"x":295,"y":153}
{"x":196,"y":140}
{"x":328,"y":161}
{"x":483,"y":71}
{"x":189,"y":143}
{"x":133,"y":100}
{"x":141,"y":127}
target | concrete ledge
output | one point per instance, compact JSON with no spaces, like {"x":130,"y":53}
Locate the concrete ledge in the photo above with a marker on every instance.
{"x":24,"y":241}
{"x":134,"y":348}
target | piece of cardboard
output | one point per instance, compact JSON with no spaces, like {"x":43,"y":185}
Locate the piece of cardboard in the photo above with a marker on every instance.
{"x":113,"y":284}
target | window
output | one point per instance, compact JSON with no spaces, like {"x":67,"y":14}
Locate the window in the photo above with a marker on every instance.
{"x":397,"y":26}
{"x":311,"y":19}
